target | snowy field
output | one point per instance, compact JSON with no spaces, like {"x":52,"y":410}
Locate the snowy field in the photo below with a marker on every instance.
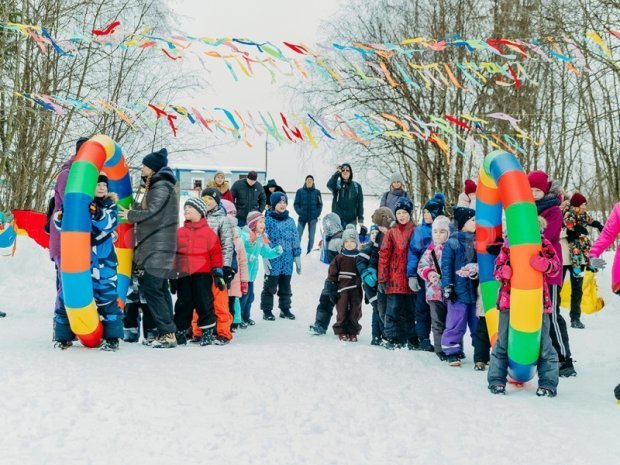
{"x":277,"y":395}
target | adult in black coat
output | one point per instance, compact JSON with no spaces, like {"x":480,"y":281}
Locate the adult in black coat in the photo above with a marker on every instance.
{"x":270,"y":188}
{"x":308,"y":206}
{"x":348,"y":197}
{"x":248,"y":195}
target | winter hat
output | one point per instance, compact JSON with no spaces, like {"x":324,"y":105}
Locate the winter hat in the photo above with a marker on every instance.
{"x":435,"y":205}
{"x":252,"y":176}
{"x":350,"y":234}
{"x":470,"y":187}
{"x":230,"y":208}
{"x":212,"y":192}
{"x":396,"y":178}
{"x":276,"y":198}
{"x":218,"y":174}
{"x":271,"y":183}
{"x":441,"y":223}
{"x":198,"y":204}
{"x":404,"y":204}
{"x":374,"y":227}
{"x":253,"y":218}
{"x":539,"y":180}
{"x":102,"y":178}
{"x":383,"y":217}
{"x":309,"y":177}
{"x":79,"y":143}
{"x":577,"y":200}
{"x":462,"y":215}
{"x":156,"y":160}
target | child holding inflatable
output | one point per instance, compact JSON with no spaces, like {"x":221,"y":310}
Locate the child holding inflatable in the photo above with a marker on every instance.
{"x":549,"y":264}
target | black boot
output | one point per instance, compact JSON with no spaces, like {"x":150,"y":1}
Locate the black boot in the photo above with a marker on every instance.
{"x":110,"y":345}
{"x":567,"y":369}
{"x":181,"y":337}
{"x":207,"y":337}
{"x":316,"y":329}
{"x":286,"y":313}
{"x":131,"y":335}
{"x":267,"y":315}
{"x":2,"y":314}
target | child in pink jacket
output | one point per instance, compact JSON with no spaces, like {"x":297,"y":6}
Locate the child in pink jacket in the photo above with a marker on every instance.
{"x":607,"y":237}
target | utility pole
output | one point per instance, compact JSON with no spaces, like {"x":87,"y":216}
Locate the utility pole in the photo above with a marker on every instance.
{"x":266,"y":155}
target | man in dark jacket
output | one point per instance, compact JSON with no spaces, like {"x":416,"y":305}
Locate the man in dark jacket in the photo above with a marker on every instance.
{"x":308,"y":205}
{"x":156,"y":217}
{"x":348,"y":200}
{"x":270,"y":188}
{"x":248,"y":195}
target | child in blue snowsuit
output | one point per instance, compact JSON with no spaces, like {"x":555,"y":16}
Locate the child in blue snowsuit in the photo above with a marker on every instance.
{"x":256,"y":245}
{"x":103,"y":264}
{"x":419,"y":243}
{"x":458,"y":281}
{"x":282,"y":231}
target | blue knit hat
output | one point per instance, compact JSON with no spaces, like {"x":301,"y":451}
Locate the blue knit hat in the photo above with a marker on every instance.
{"x":436,"y":205}
{"x":156,"y":160}
{"x":404,"y":204}
{"x":276,"y":198}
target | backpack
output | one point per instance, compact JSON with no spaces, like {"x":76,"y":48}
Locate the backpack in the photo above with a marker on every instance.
{"x":51,"y":204}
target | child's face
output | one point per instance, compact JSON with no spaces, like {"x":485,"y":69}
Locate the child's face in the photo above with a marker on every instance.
{"x":373,"y":235}
{"x":101,"y":190}
{"x":349,"y":244}
{"x":403,"y":217}
{"x":470,"y":226}
{"x":537,"y":193}
{"x":210,"y":201}
{"x":191,"y":214}
{"x":260,"y":226}
{"x":581,"y":208}
{"x":281,"y":206}
{"x":440,"y":236}
{"x":428,"y":218}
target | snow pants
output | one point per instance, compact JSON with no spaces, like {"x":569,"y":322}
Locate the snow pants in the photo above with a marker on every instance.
{"x":349,"y":312}
{"x":422,"y":313}
{"x":438,"y":322}
{"x":460,"y":315}
{"x":400,"y":318}
{"x":280,"y":284}
{"x":194,"y":292}
{"x":557,"y":329}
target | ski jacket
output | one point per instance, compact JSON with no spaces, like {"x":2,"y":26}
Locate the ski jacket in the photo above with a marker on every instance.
{"x":393,"y":259}
{"x":308,"y":204}
{"x":458,"y":252}
{"x":390,"y":198}
{"x":348,"y":199}
{"x":426,"y":266}
{"x":256,"y":247}
{"x":220,"y":225}
{"x":248,"y":198}
{"x":198,"y":249}
{"x":281,"y":230}
{"x":419,"y":243}
{"x":605,"y":239}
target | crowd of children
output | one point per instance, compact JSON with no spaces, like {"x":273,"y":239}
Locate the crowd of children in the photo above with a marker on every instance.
{"x":420,"y":280}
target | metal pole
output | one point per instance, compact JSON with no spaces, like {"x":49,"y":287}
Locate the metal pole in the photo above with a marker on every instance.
{"x":266,"y":157}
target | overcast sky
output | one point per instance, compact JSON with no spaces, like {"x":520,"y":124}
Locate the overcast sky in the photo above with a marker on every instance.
{"x":267,"y":20}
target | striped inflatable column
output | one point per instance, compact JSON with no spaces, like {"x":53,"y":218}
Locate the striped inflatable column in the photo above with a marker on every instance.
{"x":75,"y":235}
{"x":526,"y":296}
{"x":119,"y":182}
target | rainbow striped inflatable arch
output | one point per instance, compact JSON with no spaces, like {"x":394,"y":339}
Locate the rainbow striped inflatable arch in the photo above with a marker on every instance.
{"x":503,"y":184}
{"x":97,"y":154}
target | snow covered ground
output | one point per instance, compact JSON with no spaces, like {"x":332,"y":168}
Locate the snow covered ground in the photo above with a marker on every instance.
{"x":277,"y":395}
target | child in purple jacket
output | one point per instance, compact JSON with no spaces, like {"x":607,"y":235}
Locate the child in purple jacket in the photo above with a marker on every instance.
{"x":549,"y":264}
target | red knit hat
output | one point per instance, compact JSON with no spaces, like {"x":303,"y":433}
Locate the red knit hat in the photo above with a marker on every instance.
{"x":539,"y":180}
{"x":470,"y":187}
{"x":577,"y":200}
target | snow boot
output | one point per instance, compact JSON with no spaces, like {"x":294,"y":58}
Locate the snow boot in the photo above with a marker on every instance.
{"x":617,"y":392}
{"x":567,"y":369}
{"x":165,"y":341}
{"x":497,"y":389}
{"x":343,"y":337}
{"x":2,"y":314}
{"x":63,"y":345}
{"x":376,"y":341}
{"x":392,"y":344}
{"x":454,"y":360}
{"x":413,"y":343}
{"x":220,"y":341}
{"x":206,"y":339}
{"x":577,"y":324}
{"x":545,"y":392}
{"x":480,"y":366}
{"x":426,"y":346}
{"x":110,"y":345}
{"x":286,"y":313}
{"x":243,"y":325}
{"x":149,"y":337}
{"x":181,"y":337}
{"x":269,"y":316}
{"x":442,"y":356}
{"x":131,"y":335}
{"x":316,"y":330}
{"x":250,"y":322}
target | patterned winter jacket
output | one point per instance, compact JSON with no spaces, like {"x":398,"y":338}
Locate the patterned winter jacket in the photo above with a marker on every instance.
{"x":220,"y":225}
{"x":608,"y":236}
{"x":242,"y":274}
{"x":393,"y":259}
{"x":426,"y":265}
{"x":419,"y":243}
{"x":503,"y":260}
{"x":457,"y":253}
{"x":198,"y":249}
{"x":281,"y":230}
{"x":256,"y":247}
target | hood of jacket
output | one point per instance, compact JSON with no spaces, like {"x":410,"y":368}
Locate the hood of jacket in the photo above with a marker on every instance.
{"x":331,"y":224}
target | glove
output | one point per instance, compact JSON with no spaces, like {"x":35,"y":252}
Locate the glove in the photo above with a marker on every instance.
{"x":414,"y":285}
{"x":279,"y":250}
{"x":597,"y":225}
{"x":267,"y":266}
{"x":505,"y":273}
{"x":539,"y":263}
{"x":173,"y":286}
{"x":363,"y":230}
{"x":370,"y":277}
{"x":218,"y":279}
{"x":598,"y":263}
{"x":381,"y":288}
{"x":229,"y":274}
{"x":494,"y":248}
{"x":244,"y":287}
{"x":298,"y":264}
{"x":433,"y":277}
{"x":449,"y":293}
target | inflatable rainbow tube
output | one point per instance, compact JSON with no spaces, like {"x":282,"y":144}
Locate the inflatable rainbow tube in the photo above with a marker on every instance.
{"x":504,"y":184}
{"x":97,"y":154}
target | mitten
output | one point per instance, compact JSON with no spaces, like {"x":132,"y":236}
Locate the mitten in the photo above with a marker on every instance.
{"x":449,"y":293}
{"x":267,"y":266}
{"x":414,"y":285}
{"x":244,"y":287}
{"x":598,"y":263}
{"x":298,"y":264}
{"x":381,"y":288}
{"x":363,"y":230}
{"x":539,"y":263}
{"x":370,"y":277}
{"x":597,"y":225}
{"x":229,"y":274}
{"x":218,"y":279}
